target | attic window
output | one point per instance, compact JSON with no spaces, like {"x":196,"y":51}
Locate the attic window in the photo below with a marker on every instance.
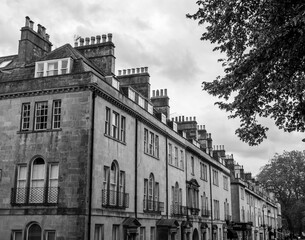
{"x":5,"y":63}
{"x":53,"y":67}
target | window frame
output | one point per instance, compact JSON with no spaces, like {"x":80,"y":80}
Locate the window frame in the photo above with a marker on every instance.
{"x":56,"y":117}
{"x":23,"y":117}
{"x":40,"y":115}
{"x":44,"y":71}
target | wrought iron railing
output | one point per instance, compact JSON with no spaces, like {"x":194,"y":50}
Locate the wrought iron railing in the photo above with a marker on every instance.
{"x":34,"y":196}
{"x":205,"y":212}
{"x":115,"y":199}
{"x":153,"y":206}
{"x":178,"y":210}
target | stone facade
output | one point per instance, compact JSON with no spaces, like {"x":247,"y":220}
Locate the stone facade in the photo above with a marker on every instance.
{"x":86,"y":154}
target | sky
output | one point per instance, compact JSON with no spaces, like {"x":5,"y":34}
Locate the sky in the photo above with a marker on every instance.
{"x":154,"y":34}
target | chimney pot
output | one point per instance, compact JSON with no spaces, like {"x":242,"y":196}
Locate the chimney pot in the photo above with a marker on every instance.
{"x":76,"y":44}
{"x":128,"y":70}
{"x":146,"y":69}
{"x":179,"y":118}
{"x":190,"y":118}
{"x":109,"y":37}
{"x":124,"y":71}
{"x":27,"y":21}
{"x":153,"y":92}
{"x":157,"y":93}
{"x":92,"y":40}
{"x":182,"y":118}
{"x":47,"y":36}
{"x":187,"y":118}
{"x":119,"y":72}
{"x":31,"y":24}
{"x":39,"y":29}
{"x":104,"y":38}
{"x":138,"y":70}
{"x":43,"y":31}
{"x":98,"y":38}
{"x":165,"y":92}
{"x":87,"y":39}
{"x":194,"y":118}
{"x":142,"y":69}
{"x":161,"y":94}
{"x":133,"y":71}
{"x":172,"y":119}
{"x":81,"y":40}
{"x":176,"y":119}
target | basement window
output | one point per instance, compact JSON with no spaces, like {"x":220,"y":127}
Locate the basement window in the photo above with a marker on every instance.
{"x":53,"y":67}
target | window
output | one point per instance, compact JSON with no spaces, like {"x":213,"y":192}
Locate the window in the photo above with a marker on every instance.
{"x":113,"y":192}
{"x":215,"y":177}
{"x":176,"y":157}
{"x":170,"y":159}
{"x":41,"y":187}
{"x":216,"y":209}
{"x":177,"y":199}
{"x":243,"y":214}
{"x":203,"y":171}
{"x":115,"y":232}
{"x":99,"y":232}
{"x":192,"y":165}
{"x":152,"y":233}
{"x":25,"y":119}
{"x":17,"y":234}
{"x":204,"y":205}
{"x":151,"y":143}
{"x":107,"y":122}
{"x":56,"y":114}
{"x":53,"y":67}
{"x":151,"y":195}
{"x":142,"y":233}
{"x":181,"y":159}
{"x":41,"y":115}
{"x":225,"y":183}
{"x":123,"y":129}
{"x":193,"y":197}
{"x":50,"y":235}
{"x":34,"y":232}
{"x":141,"y":102}
{"x":115,"y":125}
{"x":242,"y":193}
{"x":53,"y":183}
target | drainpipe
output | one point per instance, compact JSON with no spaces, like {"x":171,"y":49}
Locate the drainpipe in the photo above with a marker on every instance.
{"x":91,"y":164}
{"x":136,"y":171}
{"x":211,"y":201}
{"x":166,"y":176}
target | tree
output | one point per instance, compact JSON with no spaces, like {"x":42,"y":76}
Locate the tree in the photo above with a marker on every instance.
{"x":263,"y":41}
{"x":285,"y":176}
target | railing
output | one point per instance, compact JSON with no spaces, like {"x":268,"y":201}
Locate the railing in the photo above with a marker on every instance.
{"x":34,"y":196}
{"x":115,"y":199}
{"x":194,"y":211}
{"x":153,"y":206}
{"x":178,"y":210}
{"x":205,"y":213}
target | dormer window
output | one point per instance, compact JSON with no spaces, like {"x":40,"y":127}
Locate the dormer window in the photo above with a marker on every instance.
{"x":53,"y":67}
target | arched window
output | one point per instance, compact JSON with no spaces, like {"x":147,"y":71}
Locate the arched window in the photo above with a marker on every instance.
{"x":151,"y":194}
{"x":37,"y":181}
{"x":113,"y":183}
{"x":34,"y":232}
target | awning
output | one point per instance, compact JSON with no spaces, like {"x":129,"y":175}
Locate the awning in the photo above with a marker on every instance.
{"x":168,"y":223}
{"x":231,"y":234}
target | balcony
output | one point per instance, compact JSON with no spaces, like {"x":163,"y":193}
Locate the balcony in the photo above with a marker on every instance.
{"x":153,"y":206}
{"x":34,"y":196}
{"x":194,"y":211}
{"x":115,"y":199}
{"x":205,"y":213}
{"x":178,"y":210}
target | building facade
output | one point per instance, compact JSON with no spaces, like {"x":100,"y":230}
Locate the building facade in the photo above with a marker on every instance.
{"x":88,"y":154}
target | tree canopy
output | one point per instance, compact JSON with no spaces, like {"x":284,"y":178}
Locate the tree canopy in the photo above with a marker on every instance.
{"x":263,"y":41}
{"x":285,"y":176}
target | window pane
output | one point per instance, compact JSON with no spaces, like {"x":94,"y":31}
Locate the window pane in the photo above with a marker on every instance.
{"x":34,"y":232}
{"x":56,"y":114}
{"x":50,"y":235}
{"x":17,"y":235}
{"x":25,"y":123}
{"x":41,"y":115}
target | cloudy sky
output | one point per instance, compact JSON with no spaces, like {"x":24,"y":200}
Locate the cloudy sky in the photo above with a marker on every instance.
{"x":156,"y":34}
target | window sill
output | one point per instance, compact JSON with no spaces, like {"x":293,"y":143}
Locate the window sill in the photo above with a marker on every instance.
{"x":176,"y":167}
{"x":203,"y":179}
{"x":38,"y":131}
{"x":146,"y":153}
{"x":114,"y":139}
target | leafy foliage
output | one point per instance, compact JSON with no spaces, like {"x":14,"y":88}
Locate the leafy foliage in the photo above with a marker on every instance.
{"x":285,"y":176}
{"x":264,"y":68}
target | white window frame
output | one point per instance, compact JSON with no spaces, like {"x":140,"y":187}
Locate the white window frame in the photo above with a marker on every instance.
{"x":56,"y":114}
{"x":44,"y":70}
{"x":44,"y":116}
{"x":25,"y":116}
